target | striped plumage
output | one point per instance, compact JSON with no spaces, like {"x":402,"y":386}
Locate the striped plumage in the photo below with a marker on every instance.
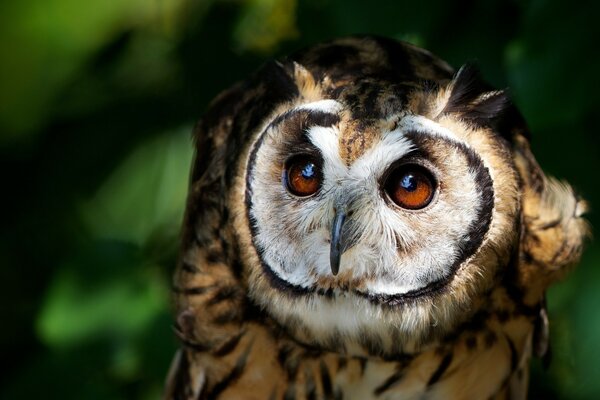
{"x":442,"y":301}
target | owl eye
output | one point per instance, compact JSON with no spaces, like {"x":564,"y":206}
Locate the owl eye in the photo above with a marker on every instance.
{"x":302,"y":175}
{"x":410,"y":186}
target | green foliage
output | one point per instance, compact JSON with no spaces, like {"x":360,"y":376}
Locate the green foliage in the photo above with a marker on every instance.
{"x":45,"y":43}
{"x":97,"y":102}
{"x":145,"y":193}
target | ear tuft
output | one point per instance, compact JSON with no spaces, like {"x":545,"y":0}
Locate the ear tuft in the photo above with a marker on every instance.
{"x":307,"y":85}
{"x":474,"y":101}
{"x":466,"y":86}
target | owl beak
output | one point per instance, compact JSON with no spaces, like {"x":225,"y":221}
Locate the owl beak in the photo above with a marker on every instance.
{"x":336,"y":241}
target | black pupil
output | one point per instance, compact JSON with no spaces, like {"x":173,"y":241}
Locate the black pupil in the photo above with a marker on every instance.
{"x":409,"y":182}
{"x":308,"y":171}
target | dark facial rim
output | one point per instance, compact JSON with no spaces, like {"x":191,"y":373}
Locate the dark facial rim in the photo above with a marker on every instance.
{"x":478,"y":229}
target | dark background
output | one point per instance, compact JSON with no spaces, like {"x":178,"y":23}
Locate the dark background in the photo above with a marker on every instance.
{"x":97,"y":101}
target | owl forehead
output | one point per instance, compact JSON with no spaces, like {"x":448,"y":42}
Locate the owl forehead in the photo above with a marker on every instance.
{"x":356,"y":137}
{"x":371,"y":108}
{"x":329,"y":127}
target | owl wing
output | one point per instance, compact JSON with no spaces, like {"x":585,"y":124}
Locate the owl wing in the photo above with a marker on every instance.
{"x":553,"y":228}
{"x":209,"y":292}
{"x":553,"y":232}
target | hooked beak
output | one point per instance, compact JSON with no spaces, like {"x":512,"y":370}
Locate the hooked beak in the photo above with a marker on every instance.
{"x":336,"y":241}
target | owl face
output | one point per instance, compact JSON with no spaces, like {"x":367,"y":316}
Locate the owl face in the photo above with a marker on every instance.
{"x":389,"y":222}
{"x":375,"y":231}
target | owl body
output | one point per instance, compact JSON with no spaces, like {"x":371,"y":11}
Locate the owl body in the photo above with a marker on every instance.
{"x":363,"y":222}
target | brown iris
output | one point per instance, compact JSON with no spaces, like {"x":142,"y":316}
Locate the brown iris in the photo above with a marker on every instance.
{"x":302,"y":175}
{"x":410,"y":186}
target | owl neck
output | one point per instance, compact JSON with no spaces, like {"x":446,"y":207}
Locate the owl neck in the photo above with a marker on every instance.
{"x":486,"y":357}
{"x":233,"y":348}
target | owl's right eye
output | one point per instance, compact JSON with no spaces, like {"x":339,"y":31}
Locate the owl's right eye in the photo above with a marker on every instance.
{"x":411,"y":187}
{"x":302,"y":175}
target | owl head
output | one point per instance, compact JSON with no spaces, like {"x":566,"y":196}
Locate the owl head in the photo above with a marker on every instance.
{"x":367,"y":199}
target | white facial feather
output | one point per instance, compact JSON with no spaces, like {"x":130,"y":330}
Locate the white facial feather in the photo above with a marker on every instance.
{"x":378,"y":159}
{"x":421,"y":124}
{"x":328,"y":105}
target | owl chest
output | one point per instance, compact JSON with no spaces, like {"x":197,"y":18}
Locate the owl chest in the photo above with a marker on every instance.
{"x":455,"y":374}
{"x":484,"y":364}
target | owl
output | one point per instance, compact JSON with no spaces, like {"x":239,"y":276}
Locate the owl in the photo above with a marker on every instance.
{"x":363,"y":222}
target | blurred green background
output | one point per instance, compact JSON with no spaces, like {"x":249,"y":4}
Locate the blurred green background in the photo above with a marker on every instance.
{"x":97,"y":102}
